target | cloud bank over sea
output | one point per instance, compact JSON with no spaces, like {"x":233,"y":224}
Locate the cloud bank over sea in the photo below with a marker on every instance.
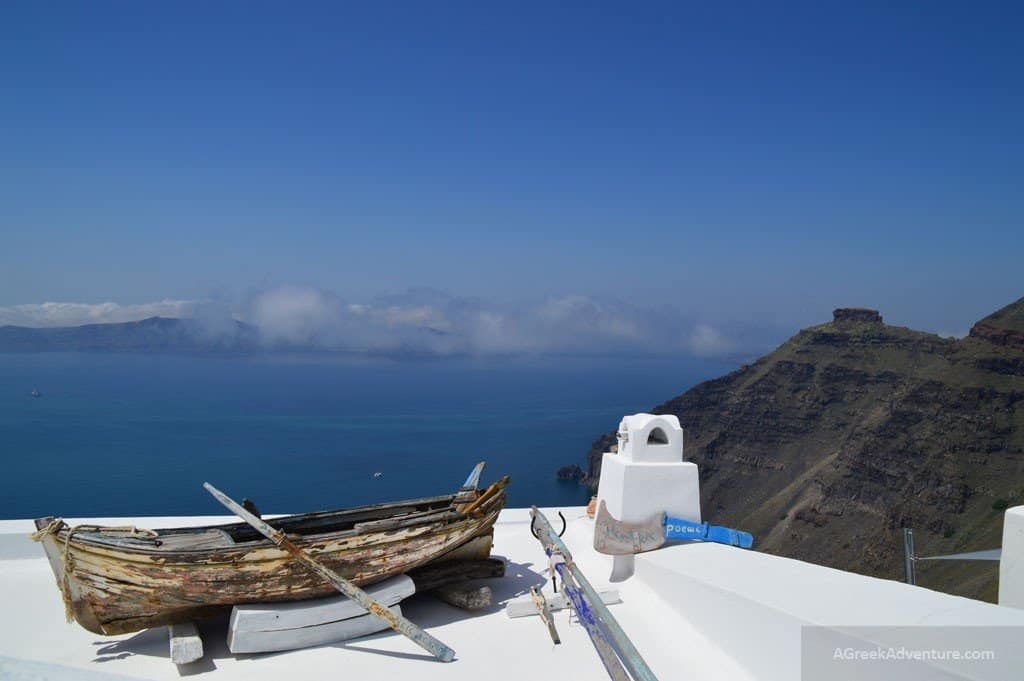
{"x":421,"y":321}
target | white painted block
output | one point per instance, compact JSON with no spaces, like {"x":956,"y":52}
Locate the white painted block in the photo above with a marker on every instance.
{"x":278,"y":616}
{"x":307,"y":637}
{"x":1011,"y":562}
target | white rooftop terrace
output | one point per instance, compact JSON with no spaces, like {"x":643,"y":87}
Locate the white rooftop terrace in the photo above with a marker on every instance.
{"x":693,"y":610}
{"x":488,"y":644}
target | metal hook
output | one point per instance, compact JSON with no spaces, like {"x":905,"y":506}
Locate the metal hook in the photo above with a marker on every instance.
{"x":533,"y":529}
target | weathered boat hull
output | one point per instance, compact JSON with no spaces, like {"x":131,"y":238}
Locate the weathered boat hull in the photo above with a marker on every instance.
{"x":118,"y":583}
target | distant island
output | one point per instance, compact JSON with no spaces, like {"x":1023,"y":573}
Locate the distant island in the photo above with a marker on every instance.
{"x":155,"y":334}
{"x":850,"y":430}
{"x":170,"y":335}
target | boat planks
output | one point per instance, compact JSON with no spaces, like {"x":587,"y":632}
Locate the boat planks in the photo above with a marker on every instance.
{"x":118,"y":585}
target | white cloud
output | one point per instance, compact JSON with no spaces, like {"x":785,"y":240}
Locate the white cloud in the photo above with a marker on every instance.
{"x":419,"y":321}
{"x":706,"y":340}
{"x":292,"y":314}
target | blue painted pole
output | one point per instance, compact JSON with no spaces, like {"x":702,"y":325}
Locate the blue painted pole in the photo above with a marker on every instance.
{"x":590,"y":608}
{"x":590,"y":623}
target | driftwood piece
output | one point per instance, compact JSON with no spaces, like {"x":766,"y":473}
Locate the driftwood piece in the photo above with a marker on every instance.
{"x":430,"y":577}
{"x":186,"y":645}
{"x":492,"y":491}
{"x":465,"y":596}
{"x":544,"y":611}
{"x":526,"y":607}
{"x":305,"y":637}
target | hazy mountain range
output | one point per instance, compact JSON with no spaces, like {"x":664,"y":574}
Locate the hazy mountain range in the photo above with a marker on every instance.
{"x":419,"y":322}
{"x":155,"y":334}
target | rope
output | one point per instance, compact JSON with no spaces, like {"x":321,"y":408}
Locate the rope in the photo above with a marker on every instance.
{"x":67,"y":562}
{"x":52,"y":528}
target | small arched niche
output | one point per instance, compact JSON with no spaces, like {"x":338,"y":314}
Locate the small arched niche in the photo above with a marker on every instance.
{"x":657,"y":436}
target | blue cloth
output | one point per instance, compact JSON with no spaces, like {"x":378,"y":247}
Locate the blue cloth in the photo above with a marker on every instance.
{"x":676,"y":528}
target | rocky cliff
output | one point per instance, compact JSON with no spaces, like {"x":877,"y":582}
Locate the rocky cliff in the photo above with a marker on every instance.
{"x":850,"y":430}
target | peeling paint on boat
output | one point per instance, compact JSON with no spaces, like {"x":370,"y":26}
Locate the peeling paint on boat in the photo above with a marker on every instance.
{"x":118,"y":585}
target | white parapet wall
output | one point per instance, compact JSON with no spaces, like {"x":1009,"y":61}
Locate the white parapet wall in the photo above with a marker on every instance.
{"x":776,"y":617}
{"x":1011,"y":561}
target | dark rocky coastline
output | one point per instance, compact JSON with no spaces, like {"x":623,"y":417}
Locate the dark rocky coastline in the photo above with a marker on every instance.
{"x":853,"y":429}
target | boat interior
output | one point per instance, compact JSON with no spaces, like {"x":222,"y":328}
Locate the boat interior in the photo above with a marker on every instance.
{"x":353,"y":521}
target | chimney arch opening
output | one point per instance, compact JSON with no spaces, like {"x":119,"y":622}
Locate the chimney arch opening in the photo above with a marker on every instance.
{"x":657,"y":436}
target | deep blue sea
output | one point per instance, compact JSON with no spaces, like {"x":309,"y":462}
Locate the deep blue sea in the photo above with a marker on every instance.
{"x":138,"y":434}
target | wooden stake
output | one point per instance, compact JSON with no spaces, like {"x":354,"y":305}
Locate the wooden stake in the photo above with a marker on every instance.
{"x":545,"y":613}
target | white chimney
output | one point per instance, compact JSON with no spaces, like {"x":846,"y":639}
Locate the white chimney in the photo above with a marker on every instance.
{"x":648,"y":477}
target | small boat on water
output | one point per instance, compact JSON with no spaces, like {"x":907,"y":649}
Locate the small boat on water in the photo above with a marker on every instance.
{"x":116,"y":580}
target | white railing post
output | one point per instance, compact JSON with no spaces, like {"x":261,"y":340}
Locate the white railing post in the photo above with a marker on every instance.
{"x":1011,"y":561}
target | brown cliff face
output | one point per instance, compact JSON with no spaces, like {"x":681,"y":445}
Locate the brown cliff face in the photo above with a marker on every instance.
{"x":1004,"y":327}
{"x":848,"y":431}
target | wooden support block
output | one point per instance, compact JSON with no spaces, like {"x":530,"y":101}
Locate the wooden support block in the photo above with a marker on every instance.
{"x":465,"y":596}
{"x":429,"y":577}
{"x":186,"y":645}
{"x":306,"y":637}
{"x":525,"y":607}
{"x":279,"y":616}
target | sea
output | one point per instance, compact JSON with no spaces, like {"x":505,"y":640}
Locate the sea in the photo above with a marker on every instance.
{"x":137,"y":435}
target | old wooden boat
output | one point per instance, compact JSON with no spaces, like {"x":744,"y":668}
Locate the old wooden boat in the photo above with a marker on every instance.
{"x":116,"y":580}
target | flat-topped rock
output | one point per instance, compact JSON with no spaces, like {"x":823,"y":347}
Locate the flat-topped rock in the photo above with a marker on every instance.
{"x":856,"y":315}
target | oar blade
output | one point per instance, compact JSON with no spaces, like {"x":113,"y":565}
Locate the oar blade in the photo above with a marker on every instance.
{"x":474,"y":476}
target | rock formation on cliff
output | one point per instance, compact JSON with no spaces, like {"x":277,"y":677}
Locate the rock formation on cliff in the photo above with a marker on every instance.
{"x":850,"y":430}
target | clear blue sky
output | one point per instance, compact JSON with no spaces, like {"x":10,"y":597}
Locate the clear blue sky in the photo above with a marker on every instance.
{"x":762,"y":162}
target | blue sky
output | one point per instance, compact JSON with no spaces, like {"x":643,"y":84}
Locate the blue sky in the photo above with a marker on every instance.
{"x":744,"y":164}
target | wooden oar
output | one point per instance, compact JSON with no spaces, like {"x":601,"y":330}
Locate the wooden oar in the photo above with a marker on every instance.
{"x":397,"y":622}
